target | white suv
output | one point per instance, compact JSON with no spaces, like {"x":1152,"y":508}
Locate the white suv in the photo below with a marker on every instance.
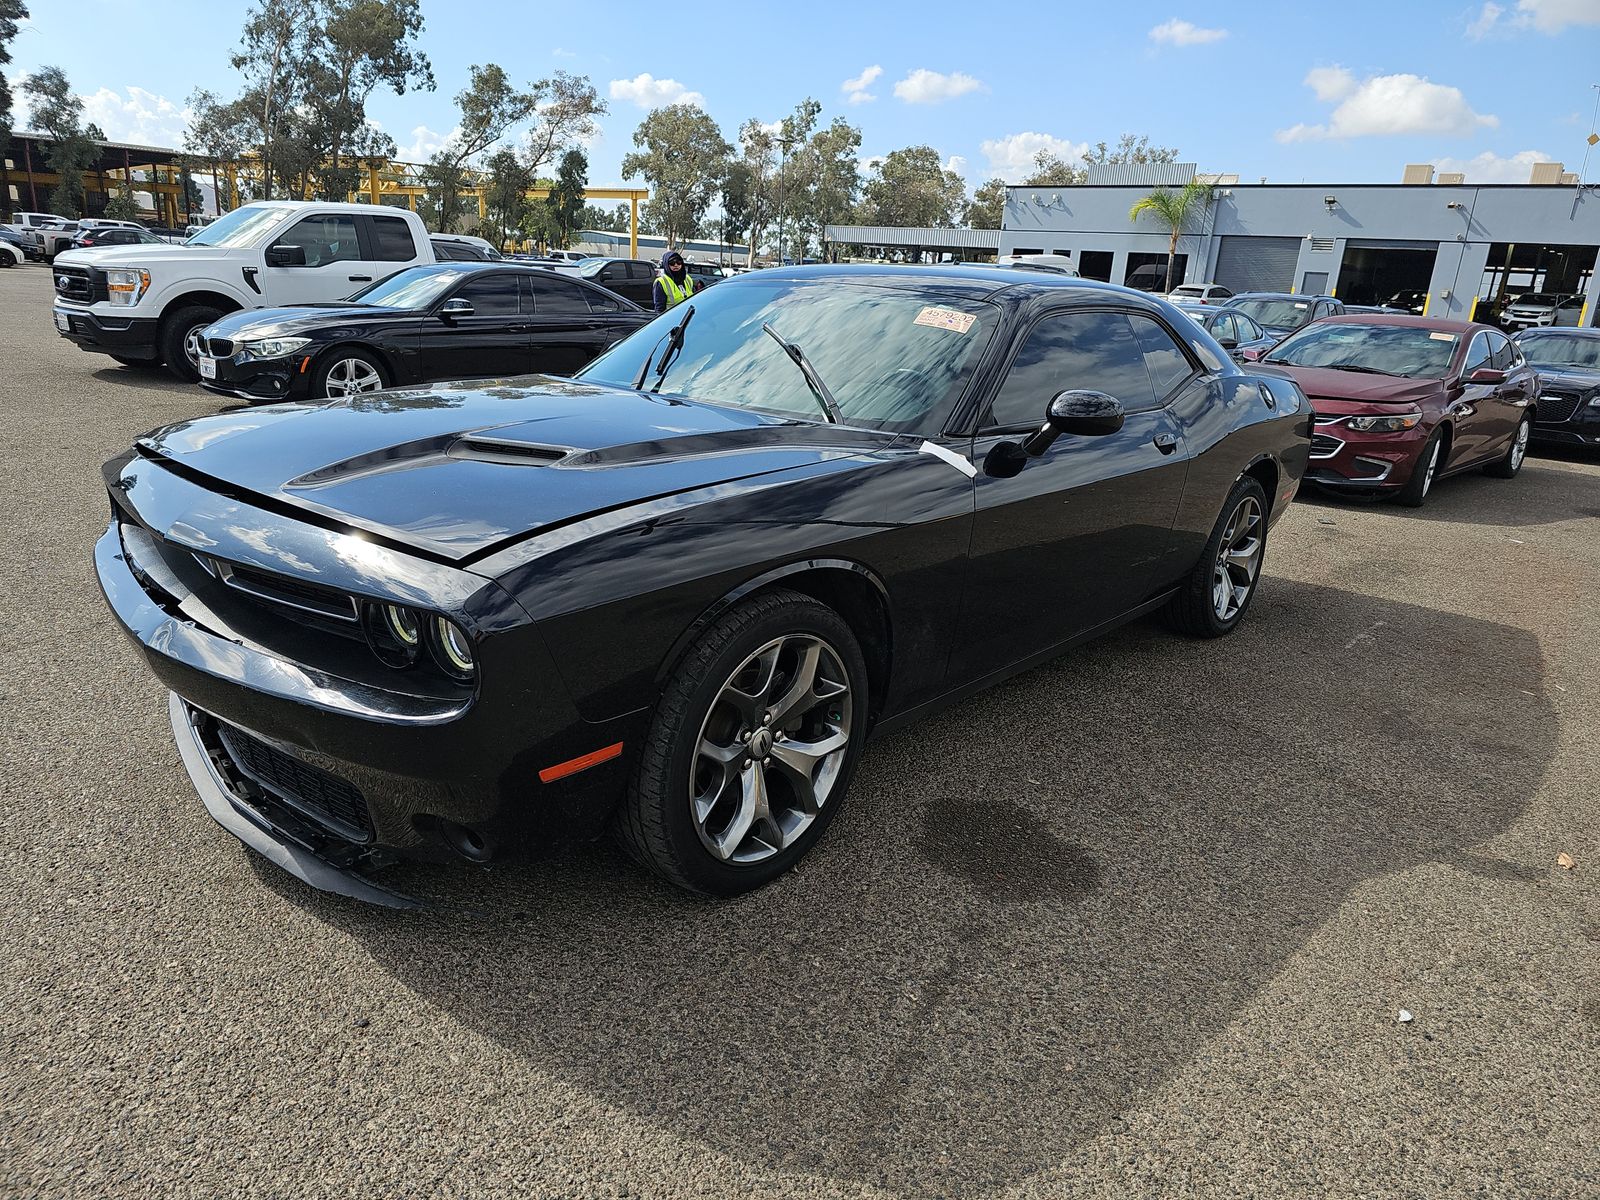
{"x":146,"y":304}
{"x":1541,"y":309}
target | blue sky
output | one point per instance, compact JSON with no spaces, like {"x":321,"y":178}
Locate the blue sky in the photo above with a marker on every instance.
{"x":1320,"y":92}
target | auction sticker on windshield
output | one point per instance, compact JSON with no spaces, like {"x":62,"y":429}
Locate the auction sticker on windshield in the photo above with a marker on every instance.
{"x":945,"y":318}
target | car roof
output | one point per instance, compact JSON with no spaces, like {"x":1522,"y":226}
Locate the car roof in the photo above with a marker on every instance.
{"x":1560,"y":331}
{"x":1282,"y":296}
{"x":1432,"y":324}
{"x":468,"y":266}
{"x":979,"y":281}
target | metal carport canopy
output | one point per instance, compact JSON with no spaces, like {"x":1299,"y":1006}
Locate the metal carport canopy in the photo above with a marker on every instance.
{"x":926,"y":238}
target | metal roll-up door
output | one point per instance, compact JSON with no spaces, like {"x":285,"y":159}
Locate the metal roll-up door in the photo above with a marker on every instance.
{"x":1257,"y":264}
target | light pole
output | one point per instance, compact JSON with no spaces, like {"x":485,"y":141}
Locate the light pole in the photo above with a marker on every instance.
{"x":783,"y":162}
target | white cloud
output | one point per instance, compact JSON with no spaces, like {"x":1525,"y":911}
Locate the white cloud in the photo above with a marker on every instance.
{"x":1545,"y":16}
{"x":138,"y":116}
{"x":923,"y":86}
{"x":425,"y":143}
{"x":647,"y":91}
{"x":1489,"y":167}
{"x":1011,"y":157}
{"x":1486,"y":20}
{"x":1185,"y":33}
{"x":856,"y":89}
{"x":558,"y":52}
{"x":957,"y":164}
{"x":1387,"y":104}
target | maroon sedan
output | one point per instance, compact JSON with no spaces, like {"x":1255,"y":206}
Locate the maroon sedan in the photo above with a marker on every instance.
{"x":1403,"y":401}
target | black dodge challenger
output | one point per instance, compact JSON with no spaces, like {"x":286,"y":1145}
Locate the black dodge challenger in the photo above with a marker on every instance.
{"x":674,"y":595}
{"x":454,"y":320}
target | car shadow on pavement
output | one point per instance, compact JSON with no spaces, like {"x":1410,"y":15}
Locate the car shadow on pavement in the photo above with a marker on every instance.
{"x":1037,"y":907}
{"x":146,"y":379}
{"x":1541,"y":494}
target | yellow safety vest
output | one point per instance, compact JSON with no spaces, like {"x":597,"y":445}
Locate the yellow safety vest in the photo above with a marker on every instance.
{"x":676,"y":294}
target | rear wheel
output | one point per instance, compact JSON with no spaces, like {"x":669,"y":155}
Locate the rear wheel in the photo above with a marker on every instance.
{"x":1213,"y":600}
{"x":751,"y":748}
{"x":1507,"y":467}
{"x":180,"y":339}
{"x":1422,"y":475}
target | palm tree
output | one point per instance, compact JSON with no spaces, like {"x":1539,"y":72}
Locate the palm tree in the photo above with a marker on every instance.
{"x":1173,"y":209}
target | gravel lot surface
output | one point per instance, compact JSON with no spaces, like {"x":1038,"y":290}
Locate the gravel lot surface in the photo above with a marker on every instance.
{"x":1140,"y":922}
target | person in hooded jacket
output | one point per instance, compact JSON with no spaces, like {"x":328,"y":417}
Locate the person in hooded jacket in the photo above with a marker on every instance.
{"x":674,"y":285}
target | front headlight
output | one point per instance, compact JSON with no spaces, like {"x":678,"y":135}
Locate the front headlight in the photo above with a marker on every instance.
{"x":1386,"y":424}
{"x":273,"y":347}
{"x":452,"y":650}
{"x":124,"y":285}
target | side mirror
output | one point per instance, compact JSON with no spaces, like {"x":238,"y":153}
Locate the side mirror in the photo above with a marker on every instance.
{"x":1487,"y":375}
{"x":453,"y":310}
{"x":286,"y":256}
{"x":1081,"y":414}
{"x":1228,"y":344}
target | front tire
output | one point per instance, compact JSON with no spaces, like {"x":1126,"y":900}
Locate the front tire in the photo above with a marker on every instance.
{"x":751,"y":748}
{"x":1213,"y":600}
{"x":1507,"y":467}
{"x":180,"y":345}
{"x":347,"y":373}
{"x":1423,"y":474}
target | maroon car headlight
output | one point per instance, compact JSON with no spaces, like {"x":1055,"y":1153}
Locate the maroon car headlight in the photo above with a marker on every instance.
{"x":1387,"y":423}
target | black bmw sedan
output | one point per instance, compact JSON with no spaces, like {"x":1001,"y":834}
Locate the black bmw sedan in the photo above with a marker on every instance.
{"x":673,"y":596}
{"x":454,"y":320}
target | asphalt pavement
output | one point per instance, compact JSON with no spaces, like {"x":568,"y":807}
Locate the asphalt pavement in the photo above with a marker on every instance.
{"x":1141,"y":922}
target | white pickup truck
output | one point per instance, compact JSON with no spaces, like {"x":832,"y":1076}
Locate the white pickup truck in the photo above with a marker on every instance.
{"x":146,"y":304}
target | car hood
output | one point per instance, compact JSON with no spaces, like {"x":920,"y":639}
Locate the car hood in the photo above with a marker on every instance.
{"x":458,"y":470}
{"x":146,"y":255}
{"x":1325,"y":383}
{"x":297,"y":318}
{"x":1577,"y":378}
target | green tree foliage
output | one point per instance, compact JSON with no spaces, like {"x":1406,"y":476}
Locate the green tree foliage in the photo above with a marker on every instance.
{"x":57,"y":113}
{"x":833,"y":181}
{"x":565,"y":111}
{"x":987,"y":208}
{"x":1175,"y":209}
{"x":911,"y":187}
{"x":564,"y":205}
{"x":1051,"y":170}
{"x":615,"y":220}
{"x":684,"y":158}
{"x":1130,"y":149}
{"x":217,"y":132}
{"x":505,"y":197}
{"x":11,"y":12}
{"x":750,"y":192}
{"x":361,"y":45}
{"x":271,"y":52}
{"x":490,"y":106}
{"x":122,"y":206}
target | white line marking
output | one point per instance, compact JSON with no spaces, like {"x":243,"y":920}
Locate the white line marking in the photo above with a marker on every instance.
{"x":1366,"y":634}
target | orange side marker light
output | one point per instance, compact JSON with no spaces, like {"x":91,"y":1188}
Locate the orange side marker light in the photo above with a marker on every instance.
{"x":582,"y":763}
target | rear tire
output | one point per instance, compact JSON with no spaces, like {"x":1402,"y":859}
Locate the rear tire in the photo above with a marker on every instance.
{"x":751,"y":749}
{"x":176,"y":341}
{"x":1215,"y":597}
{"x":1507,"y":467}
{"x":1423,"y":474}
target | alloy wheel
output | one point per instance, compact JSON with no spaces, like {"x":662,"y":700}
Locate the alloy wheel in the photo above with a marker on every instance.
{"x":191,"y":346}
{"x":1519,"y":448}
{"x":1238,"y":559}
{"x":769,"y":753}
{"x":1433,"y":465}
{"x":351,"y":375}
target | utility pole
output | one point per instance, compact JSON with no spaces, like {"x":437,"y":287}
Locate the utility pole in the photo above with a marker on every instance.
{"x":783,"y":162}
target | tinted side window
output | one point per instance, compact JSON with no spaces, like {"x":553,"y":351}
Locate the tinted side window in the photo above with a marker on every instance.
{"x":491,"y":295}
{"x":1477,"y":354}
{"x":601,"y":302}
{"x":1222,"y":326}
{"x":1501,"y":355}
{"x":1168,"y":364}
{"x":612,"y":272}
{"x":1249,"y":331}
{"x":553,"y":295}
{"x":325,"y":239}
{"x":394,"y":241}
{"x":1096,"y":351}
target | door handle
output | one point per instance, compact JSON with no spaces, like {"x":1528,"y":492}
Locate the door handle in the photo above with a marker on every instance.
{"x":361,"y":279}
{"x":1166,"y":442}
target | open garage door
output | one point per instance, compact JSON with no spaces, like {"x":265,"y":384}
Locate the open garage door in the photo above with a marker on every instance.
{"x":1257,"y":264}
{"x":1390,"y":273}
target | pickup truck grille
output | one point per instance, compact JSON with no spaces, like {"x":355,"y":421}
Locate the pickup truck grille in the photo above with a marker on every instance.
{"x":1556,"y":407}
{"x":79,"y":285}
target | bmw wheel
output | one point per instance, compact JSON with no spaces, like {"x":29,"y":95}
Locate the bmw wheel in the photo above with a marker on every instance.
{"x":751,"y":748}
{"x":347,"y":373}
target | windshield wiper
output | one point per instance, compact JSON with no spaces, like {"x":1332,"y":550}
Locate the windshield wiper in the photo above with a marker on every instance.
{"x":1358,"y":368}
{"x":674,"y":344}
{"x":830,"y":406}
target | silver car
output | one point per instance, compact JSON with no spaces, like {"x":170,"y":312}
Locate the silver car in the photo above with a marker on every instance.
{"x":1543,"y":309}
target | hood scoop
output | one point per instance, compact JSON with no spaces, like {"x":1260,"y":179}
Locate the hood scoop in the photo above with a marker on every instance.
{"x":424,"y":452}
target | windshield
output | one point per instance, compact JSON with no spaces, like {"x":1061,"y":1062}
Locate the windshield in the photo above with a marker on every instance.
{"x":414,"y":287}
{"x":1281,"y":314}
{"x":1387,"y":349}
{"x":1555,"y":350}
{"x":1540,"y":298}
{"x":242,"y":227}
{"x":893,"y":358}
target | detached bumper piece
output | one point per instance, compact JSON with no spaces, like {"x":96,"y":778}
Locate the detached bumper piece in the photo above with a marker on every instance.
{"x":311,"y":823}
